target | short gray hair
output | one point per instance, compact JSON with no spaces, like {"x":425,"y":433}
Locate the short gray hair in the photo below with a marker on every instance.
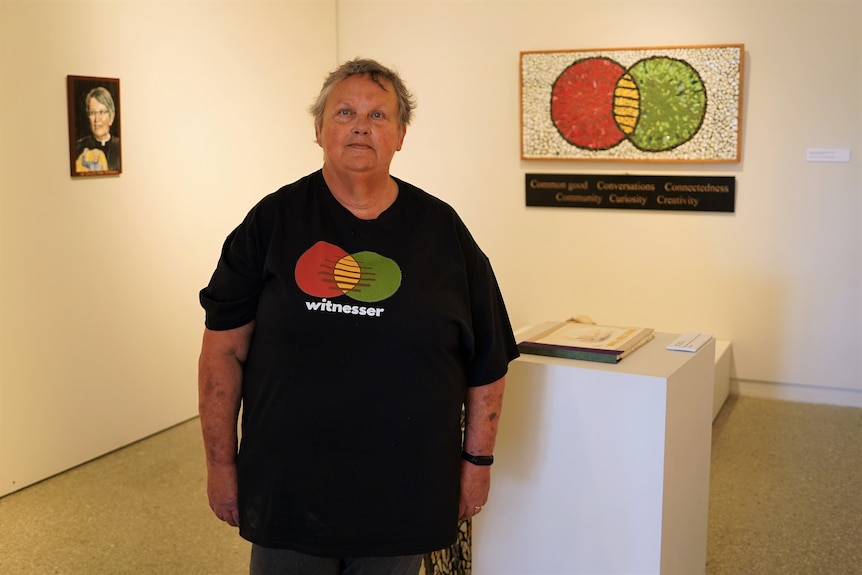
{"x":101,"y":95}
{"x":377,"y":72}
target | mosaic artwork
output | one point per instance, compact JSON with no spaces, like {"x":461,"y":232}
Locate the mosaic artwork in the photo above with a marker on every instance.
{"x":676,"y":104}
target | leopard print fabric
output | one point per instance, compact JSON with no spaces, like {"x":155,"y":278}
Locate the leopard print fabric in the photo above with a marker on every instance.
{"x":454,"y":560}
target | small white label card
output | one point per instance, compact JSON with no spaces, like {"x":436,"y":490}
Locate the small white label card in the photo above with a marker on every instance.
{"x":689,"y":341}
{"x":827,"y":155}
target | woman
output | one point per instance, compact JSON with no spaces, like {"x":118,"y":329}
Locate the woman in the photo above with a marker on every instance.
{"x":352,"y":316}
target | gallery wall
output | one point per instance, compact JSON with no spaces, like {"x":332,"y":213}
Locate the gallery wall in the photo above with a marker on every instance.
{"x":99,"y":321}
{"x":100,"y":325}
{"x":780,"y":278}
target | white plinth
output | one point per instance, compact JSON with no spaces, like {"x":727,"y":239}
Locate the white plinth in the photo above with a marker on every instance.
{"x":601,"y":469}
{"x":723,"y":369}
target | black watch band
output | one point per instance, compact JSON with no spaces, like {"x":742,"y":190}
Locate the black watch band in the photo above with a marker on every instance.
{"x":478,"y":459}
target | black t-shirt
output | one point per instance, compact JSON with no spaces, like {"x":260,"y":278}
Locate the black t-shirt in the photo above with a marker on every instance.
{"x":368,"y":333}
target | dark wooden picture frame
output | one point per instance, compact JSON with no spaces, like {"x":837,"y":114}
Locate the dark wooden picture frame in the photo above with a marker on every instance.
{"x":94,"y":126}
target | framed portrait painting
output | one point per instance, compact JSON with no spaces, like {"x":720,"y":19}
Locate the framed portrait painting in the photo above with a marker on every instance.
{"x":671,"y":104}
{"x":94,"y":126}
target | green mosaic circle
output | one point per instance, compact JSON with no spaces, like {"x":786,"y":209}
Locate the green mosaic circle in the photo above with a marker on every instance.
{"x":672,"y":103}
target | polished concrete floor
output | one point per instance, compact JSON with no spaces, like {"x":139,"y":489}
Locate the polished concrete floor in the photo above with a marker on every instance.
{"x":785,"y":490}
{"x":785,"y":498}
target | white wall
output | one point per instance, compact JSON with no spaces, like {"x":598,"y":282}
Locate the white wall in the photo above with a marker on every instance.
{"x":99,"y":321}
{"x":780,"y":277}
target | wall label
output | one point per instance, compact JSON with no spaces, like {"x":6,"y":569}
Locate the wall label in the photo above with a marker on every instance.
{"x":674,"y":193}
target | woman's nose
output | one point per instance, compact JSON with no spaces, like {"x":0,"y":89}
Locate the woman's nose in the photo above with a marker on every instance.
{"x":361,"y":125}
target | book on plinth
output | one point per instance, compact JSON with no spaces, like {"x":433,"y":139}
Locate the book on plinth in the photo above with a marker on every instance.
{"x":574,"y":339}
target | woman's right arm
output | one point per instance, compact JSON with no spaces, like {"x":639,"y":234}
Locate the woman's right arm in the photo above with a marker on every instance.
{"x":219,"y":397}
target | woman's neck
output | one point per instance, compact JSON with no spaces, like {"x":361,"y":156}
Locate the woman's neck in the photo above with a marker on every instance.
{"x":366,"y":196}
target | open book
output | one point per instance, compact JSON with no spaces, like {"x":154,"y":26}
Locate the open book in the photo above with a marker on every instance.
{"x":576,"y":340}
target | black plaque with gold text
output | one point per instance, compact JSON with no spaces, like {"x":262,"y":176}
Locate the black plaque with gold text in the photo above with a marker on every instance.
{"x":675,"y":193}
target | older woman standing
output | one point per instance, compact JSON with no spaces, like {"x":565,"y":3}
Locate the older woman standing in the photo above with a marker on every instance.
{"x":351,"y":315}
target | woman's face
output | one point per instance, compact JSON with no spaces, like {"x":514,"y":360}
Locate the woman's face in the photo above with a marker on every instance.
{"x":360,"y":130}
{"x":100,"y":119}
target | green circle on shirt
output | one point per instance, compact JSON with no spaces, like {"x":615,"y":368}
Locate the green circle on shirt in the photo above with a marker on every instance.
{"x":380,"y":277}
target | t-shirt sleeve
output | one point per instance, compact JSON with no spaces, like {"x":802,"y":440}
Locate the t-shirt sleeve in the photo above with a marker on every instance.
{"x":231,"y":297}
{"x":494,"y":343}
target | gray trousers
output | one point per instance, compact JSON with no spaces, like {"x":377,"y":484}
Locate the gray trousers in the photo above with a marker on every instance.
{"x":266,"y":561}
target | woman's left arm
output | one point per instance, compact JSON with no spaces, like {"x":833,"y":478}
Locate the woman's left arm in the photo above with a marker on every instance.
{"x":482,"y":417}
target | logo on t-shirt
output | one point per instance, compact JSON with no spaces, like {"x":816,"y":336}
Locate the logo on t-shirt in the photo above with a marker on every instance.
{"x":327,"y":271}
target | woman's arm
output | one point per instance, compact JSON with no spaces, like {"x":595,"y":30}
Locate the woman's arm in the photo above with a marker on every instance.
{"x":482,"y":417}
{"x":219,"y":396}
